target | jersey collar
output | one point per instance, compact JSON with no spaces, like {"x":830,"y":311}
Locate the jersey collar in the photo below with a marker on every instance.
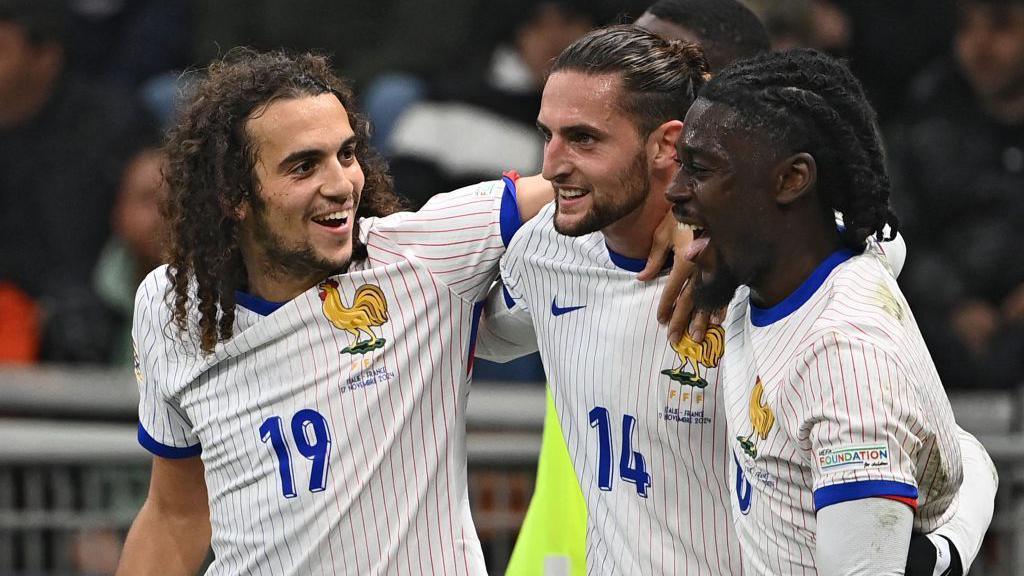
{"x":256,"y":304}
{"x":635,"y":265}
{"x":762,"y":317}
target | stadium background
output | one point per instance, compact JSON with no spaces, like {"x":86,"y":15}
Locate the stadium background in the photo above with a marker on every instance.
{"x":72,"y":476}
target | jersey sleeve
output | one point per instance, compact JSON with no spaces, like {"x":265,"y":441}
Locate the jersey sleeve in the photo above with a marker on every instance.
{"x":513,"y":264}
{"x":858,"y":421}
{"x":459,"y":236}
{"x":506,"y":330}
{"x":164,"y":428}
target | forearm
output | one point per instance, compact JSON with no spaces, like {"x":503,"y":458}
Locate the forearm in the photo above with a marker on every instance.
{"x":165,"y":544}
{"x":532,"y":193}
{"x":976,"y":498}
{"x":867,"y":536}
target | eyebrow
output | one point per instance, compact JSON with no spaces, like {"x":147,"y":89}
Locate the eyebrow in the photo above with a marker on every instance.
{"x":310,"y":153}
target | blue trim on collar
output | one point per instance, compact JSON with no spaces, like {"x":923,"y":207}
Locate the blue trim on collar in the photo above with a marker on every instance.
{"x":256,"y":304}
{"x":628,"y":264}
{"x":762,"y":317}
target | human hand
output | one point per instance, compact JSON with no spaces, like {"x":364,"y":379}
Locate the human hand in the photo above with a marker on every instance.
{"x":669,"y":237}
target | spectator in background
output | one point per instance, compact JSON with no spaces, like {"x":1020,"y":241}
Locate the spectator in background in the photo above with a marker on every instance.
{"x":865,"y":32}
{"x":65,"y":143}
{"x":958,"y":162}
{"x":470,"y":125}
{"x":129,"y":41}
{"x":137,"y":246}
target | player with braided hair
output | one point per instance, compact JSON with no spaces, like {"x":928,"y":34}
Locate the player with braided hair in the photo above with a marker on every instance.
{"x":842,"y":438}
{"x":833,"y":119}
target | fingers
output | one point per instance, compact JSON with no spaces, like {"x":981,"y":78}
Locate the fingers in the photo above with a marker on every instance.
{"x":699,"y":325}
{"x":681,"y":313}
{"x":655,"y":260}
{"x":666,"y":237}
{"x":681,"y":271}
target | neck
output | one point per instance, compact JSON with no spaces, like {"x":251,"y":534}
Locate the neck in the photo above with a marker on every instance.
{"x":792,"y":260}
{"x":633,"y":234}
{"x":278,"y":288}
{"x":272,"y":283}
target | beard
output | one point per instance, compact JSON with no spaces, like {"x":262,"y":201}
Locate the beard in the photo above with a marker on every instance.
{"x":289,"y":261}
{"x":717,"y":292}
{"x":632,"y":189}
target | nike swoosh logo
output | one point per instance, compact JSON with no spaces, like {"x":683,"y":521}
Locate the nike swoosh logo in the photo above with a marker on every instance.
{"x":557,"y":310}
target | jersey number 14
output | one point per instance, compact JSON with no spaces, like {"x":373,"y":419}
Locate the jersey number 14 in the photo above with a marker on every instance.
{"x":632,"y":466}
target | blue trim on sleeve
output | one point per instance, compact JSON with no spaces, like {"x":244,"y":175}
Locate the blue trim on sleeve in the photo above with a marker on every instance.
{"x":256,"y":304}
{"x":510,"y":220}
{"x":762,"y":317}
{"x":510,"y":302}
{"x":165,"y":451}
{"x":478,"y":310}
{"x":836,"y":493}
{"x":626,"y":263}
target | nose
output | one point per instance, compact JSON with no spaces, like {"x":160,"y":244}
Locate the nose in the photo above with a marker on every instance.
{"x":340,"y":180}
{"x":679,"y":190}
{"x":556,"y":166}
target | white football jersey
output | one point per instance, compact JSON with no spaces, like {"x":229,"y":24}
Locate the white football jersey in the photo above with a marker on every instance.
{"x":332,"y":426}
{"x":644,"y":424}
{"x":832,"y":396}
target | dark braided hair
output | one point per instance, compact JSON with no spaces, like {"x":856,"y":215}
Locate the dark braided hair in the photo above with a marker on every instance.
{"x":809,"y":102}
{"x":660,"y":77}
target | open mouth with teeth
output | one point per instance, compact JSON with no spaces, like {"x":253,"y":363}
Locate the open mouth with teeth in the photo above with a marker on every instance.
{"x":335,"y":219}
{"x":571,"y":193}
{"x":700,"y":241}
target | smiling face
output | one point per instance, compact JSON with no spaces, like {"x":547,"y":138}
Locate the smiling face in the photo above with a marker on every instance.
{"x":593,"y":154}
{"x":724,"y":191}
{"x":298,"y":227}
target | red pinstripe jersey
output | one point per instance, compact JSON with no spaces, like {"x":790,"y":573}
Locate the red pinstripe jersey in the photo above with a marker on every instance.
{"x":645,"y":426}
{"x":832,"y":396}
{"x":332,"y":426}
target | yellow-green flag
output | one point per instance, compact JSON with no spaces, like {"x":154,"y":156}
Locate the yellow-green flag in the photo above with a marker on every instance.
{"x":552,"y":540}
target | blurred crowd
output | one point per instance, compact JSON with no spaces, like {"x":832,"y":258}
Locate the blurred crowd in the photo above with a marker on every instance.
{"x":87,"y":88}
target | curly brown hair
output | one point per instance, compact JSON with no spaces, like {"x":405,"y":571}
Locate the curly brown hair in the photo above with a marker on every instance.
{"x":211,"y":172}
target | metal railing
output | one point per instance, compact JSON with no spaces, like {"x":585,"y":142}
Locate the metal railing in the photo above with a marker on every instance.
{"x":72,"y":476}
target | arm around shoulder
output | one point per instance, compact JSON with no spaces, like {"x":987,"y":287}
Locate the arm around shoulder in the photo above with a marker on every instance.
{"x":532,"y":194}
{"x":171,"y":534}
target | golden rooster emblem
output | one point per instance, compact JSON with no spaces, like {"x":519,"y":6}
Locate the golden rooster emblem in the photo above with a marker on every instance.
{"x":761,"y":418}
{"x":369,"y":308}
{"x":707,"y":354}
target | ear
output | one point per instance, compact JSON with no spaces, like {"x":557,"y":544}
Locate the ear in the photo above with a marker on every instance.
{"x":661,"y":145}
{"x":795,"y":176}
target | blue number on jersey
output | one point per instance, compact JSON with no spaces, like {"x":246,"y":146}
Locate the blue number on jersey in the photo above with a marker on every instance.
{"x":632,"y":466}
{"x":743,"y":488}
{"x":312,"y":440}
{"x":599,"y":418}
{"x":273,"y":430}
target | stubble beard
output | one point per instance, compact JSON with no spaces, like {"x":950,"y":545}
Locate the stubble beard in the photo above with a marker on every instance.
{"x":716,"y":293}
{"x":633,"y":187}
{"x":285,"y":261}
